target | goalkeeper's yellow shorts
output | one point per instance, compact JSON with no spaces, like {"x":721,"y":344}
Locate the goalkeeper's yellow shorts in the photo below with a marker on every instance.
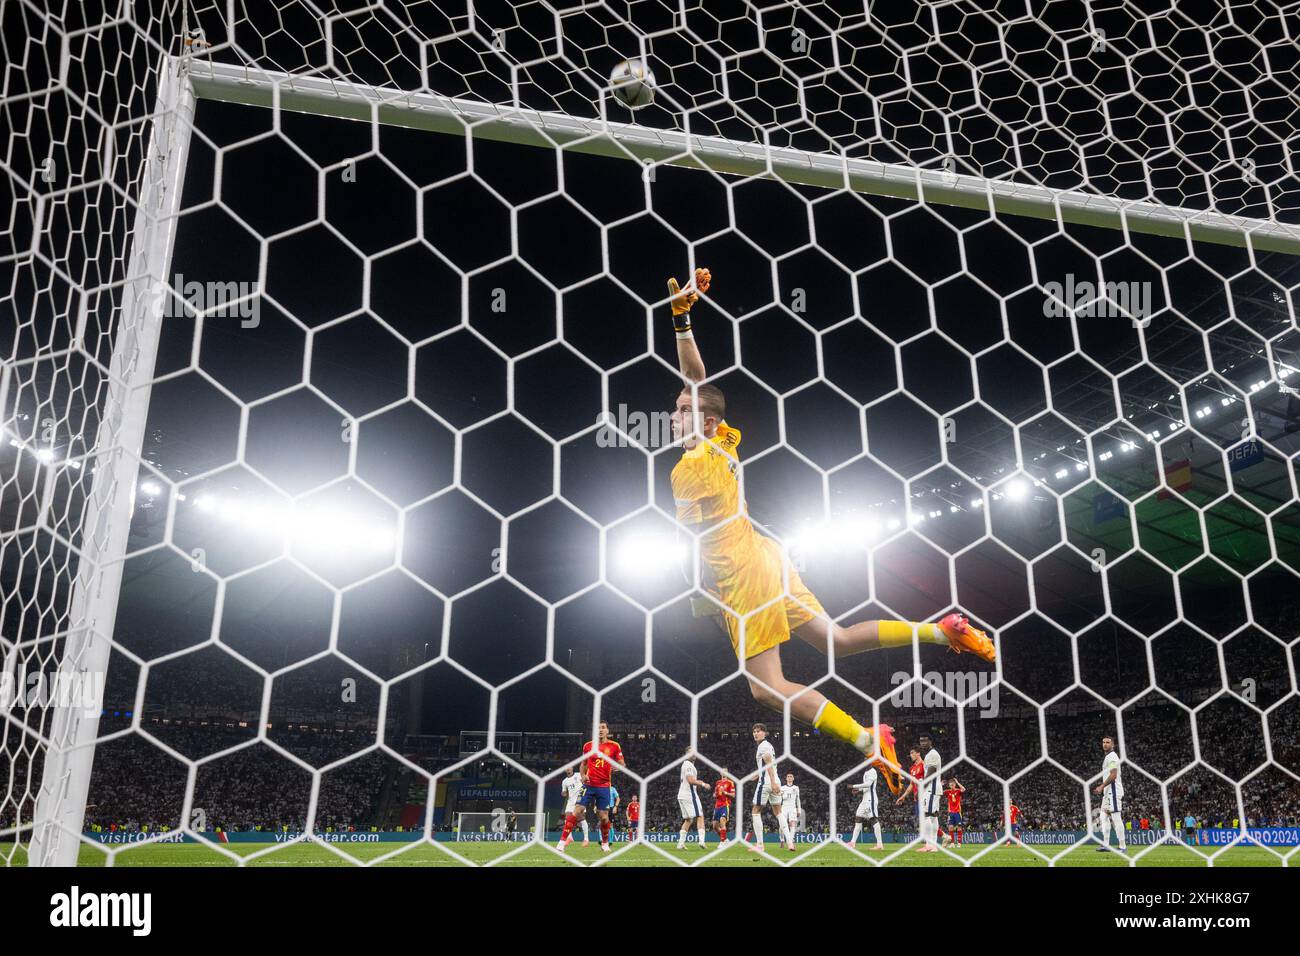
{"x":764,"y":599}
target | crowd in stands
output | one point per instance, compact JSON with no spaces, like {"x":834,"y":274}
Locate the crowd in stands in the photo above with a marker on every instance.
{"x":201,"y":712}
{"x":133,"y":786}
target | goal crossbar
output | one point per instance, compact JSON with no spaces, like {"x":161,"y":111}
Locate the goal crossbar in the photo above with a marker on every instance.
{"x":601,"y":137}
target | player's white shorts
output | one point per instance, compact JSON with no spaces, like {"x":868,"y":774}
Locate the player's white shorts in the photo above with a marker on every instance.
{"x":791,"y":818}
{"x":764,"y":797}
{"x":867,"y":809}
{"x":690,"y":806}
{"x":571,"y":806}
{"x":1112,"y":799}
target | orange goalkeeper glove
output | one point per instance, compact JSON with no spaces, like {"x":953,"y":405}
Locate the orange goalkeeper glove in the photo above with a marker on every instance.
{"x":682,"y":300}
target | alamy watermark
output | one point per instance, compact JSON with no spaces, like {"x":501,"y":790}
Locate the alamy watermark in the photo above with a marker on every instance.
{"x":239,"y":300}
{"x":1104,"y":300}
{"x":82,"y":690}
{"x":74,"y":909}
{"x":971,"y":687}
{"x":628,"y":427}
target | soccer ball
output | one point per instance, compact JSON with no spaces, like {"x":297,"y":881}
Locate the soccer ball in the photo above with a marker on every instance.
{"x":633,"y":84}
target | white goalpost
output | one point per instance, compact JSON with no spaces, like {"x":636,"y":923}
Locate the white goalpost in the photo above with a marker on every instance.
{"x":47,"y":814}
{"x":115,"y":462}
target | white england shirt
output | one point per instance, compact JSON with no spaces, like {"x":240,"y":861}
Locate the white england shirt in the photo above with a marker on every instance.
{"x":869,"y":792}
{"x":766,"y":756}
{"x":571,"y":787}
{"x":790,"y":798}
{"x":930,"y":789}
{"x":685,"y":790}
{"x":1111,"y":762}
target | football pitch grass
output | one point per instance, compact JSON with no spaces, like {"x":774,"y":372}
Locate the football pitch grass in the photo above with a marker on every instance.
{"x":307,"y":854}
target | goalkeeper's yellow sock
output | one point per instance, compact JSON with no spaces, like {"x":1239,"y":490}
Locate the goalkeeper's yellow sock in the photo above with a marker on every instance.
{"x":833,"y":721}
{"x":899,"y":633}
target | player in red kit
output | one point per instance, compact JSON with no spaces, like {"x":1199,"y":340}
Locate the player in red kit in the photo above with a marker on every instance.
{"x":598,"y":762}
{"x":1015,"y":823}
{"x":724,"y":791}
{"x":917,"y":772}
{"x":633,"y":817}
{"x":953,"y":794}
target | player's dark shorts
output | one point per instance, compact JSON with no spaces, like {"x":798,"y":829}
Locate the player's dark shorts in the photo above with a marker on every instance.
{"x":1015,"y":830}
{"x":600,"y":798}
{"x":721,"y":813}
{"x":954,"y":819}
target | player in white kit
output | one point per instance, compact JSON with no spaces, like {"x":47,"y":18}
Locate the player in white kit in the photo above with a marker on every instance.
{"x":688,"y":801}
{"x":868,"y":811}
{"x":571,"y":789}
{"x":1111,"y":789}
{"x":767,"y":790}
{"x":931,"y":792}
{"x":790,"y":809}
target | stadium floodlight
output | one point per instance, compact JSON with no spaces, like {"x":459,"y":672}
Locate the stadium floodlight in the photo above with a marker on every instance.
{"x":838,"y":535}
{"x":854,"y":533}
{"x":335,"y":531}
{"x":654,"y":554}
{"x":1017,"y":490}
{"x":151,"y":488}
{"x":320,"y":530}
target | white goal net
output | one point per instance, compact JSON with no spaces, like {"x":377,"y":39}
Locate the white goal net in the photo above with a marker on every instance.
{"x":337,"y":369}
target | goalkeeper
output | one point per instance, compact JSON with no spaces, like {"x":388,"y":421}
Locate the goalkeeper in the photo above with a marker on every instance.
{"x":763,"y":600}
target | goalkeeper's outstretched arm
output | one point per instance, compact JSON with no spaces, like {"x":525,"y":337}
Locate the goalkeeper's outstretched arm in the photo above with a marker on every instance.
{"x":688,"y":353}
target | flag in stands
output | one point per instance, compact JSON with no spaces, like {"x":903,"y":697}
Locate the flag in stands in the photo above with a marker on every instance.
{"x":1178,"y":476}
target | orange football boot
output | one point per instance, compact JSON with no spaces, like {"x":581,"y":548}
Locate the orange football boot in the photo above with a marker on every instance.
{"x":964,"y":637}
{"x":886,"y":760}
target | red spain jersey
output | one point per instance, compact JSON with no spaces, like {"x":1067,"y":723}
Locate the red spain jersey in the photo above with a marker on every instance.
{"x":600,"y":772}
{"x":1015,"y":813}
{"x":954,"y":800}
{"x":724,"y":791}
{"x":917,"y":770}
{"x":634,"y":810}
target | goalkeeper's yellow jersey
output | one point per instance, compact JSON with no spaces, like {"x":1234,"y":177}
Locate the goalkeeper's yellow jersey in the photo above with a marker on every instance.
{"x":706,"y":490}
{"x":745,"y":570}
